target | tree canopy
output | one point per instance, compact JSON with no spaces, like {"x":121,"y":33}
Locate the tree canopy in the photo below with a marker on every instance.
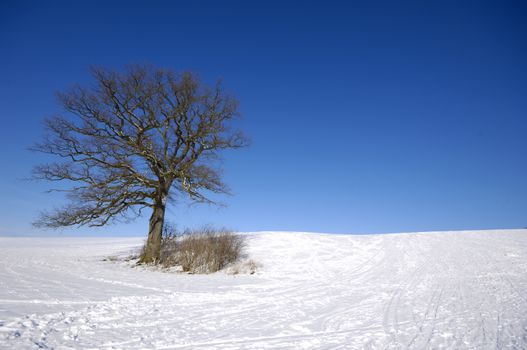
{"x":133,"y":140}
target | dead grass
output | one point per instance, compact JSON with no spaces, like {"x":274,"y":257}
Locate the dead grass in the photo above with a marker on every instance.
{"x":205,"y":250}
{"x":243,"y":267}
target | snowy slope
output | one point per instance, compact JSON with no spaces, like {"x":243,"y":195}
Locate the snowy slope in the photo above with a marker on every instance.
{"x":458,"y":290}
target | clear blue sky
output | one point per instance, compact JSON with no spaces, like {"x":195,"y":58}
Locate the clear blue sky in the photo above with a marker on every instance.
{"x":366,"y":117}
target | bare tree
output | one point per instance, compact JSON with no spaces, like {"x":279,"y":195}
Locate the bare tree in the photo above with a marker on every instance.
{"x":131,"y":142}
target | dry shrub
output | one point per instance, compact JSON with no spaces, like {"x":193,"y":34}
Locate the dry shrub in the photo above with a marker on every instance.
{"x":205,"y":250}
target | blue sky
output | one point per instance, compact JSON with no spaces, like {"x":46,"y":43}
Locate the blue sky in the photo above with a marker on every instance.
{"x":365,"y":116}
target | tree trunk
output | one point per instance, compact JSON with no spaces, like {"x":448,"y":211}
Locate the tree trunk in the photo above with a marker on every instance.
{"x":153,"y":243}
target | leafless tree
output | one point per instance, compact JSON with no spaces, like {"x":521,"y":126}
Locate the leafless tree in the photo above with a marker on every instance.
{"x":132,"y":141}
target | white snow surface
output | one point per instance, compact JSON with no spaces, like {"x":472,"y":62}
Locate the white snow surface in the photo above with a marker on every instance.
{"x":454,"y":290}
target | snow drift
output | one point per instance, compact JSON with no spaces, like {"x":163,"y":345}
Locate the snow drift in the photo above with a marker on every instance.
{"x":461,"y":290}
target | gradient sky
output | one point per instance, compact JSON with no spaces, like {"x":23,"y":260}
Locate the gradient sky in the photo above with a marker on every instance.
{"x":365,"y":117}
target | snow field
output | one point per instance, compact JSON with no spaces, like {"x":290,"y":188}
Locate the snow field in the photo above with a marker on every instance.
{"x":452,"y":290}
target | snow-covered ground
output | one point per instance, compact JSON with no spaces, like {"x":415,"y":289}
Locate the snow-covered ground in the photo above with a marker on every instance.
{"x":455,"y":290}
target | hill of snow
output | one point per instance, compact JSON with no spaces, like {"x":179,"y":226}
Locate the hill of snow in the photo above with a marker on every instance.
{"x":462,"y":290}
